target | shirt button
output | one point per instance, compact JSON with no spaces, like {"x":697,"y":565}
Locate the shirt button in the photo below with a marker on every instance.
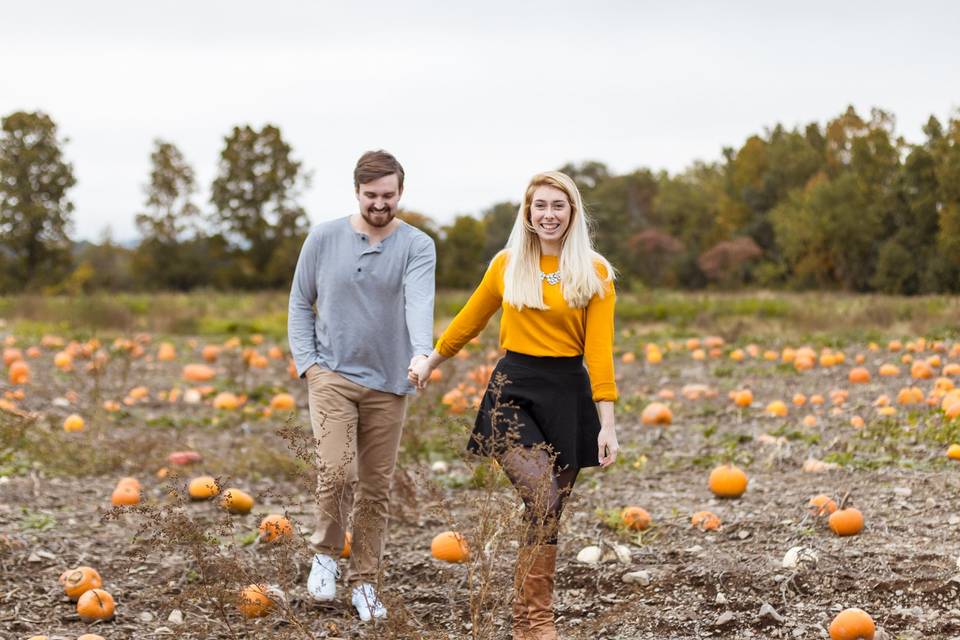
{"x":358,"y":269}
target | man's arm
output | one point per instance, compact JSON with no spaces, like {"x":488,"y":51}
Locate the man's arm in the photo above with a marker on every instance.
{"x":301,"y":331}
{"x":418,"y":295}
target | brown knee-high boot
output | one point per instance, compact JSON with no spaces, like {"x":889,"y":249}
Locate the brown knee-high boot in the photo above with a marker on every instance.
{"x":533,"y":593}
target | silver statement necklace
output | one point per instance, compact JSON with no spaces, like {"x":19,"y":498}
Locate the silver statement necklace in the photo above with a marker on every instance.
{"x":551,"y":278}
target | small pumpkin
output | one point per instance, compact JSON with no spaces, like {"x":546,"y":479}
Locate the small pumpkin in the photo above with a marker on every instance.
{"x":859,"y":375}
{"x":210,"y":353}
{"x":184,"y":457}
{"x":125,"y":495}
{"x":226,"y":400}
{"x":78,"y":581}
{"x":203,"y":487}
{"x":635,"y":518}
{"x":852,"y":624}
{"x":283,"y":402}
{"x":656,"y":413}
{"x":73,"y":423}
{"x":198,"y":373}
{"x":166,"y":352}
{"x":727,"y":481}
{"x":275,"y":528}
{"x":254,"y":601}
{"x":846,"y":522}
{"x":89,"y":636}
{"x":743,"y":398}
{"x":236,"y":501}
{"x":449,"y":546}
{"x":95,"y":604}
{"x":777,"y":408}
{"x":889,"y":370}
{"x":705,"y":521}
{"x":821,"y":505}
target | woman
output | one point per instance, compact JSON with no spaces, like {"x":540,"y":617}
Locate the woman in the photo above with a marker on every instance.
{"x":558,"y":299}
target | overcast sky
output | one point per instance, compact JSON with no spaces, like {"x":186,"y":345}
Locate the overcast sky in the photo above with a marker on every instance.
{"x":473,"y":98}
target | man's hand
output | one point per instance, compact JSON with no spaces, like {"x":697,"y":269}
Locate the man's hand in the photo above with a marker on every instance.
{"x":419,"y":371}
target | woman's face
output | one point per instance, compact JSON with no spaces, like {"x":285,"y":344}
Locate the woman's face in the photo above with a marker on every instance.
{"x":550,"y":214}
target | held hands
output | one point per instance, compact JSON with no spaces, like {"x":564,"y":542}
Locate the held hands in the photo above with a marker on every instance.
{"x":607,"y":445}
{"x":419,"y":371}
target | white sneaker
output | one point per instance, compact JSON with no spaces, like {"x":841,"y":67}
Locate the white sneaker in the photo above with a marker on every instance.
{"x":322,"y":583}
{"x":366,"y":602}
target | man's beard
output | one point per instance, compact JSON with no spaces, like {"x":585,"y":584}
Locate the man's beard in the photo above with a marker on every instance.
{"x":384,"y":218}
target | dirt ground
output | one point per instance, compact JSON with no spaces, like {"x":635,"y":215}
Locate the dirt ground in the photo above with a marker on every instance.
{"x":902,"y":569}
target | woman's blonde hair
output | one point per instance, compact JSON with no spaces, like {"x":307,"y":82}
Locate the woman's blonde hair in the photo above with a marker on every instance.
{"x":578,"y":273}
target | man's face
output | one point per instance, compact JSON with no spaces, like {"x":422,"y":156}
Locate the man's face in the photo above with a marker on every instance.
{"x":378,"y":200}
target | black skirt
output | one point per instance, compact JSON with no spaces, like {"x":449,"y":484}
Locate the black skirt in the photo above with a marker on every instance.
{"x":534,"y":400}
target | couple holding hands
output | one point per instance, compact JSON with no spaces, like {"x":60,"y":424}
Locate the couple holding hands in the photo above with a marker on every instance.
{"x":368,"y":344}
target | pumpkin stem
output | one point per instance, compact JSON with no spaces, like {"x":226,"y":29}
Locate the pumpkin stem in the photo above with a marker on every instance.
{"x":843,"y":501}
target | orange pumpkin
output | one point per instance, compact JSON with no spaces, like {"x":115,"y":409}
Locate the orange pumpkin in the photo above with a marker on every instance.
{"x":449,"y":546}
{"x":705,"y":521}
{"x":78,"y":581}
{"x":656,"y":413}
{"x":254,"y":601}
{"x":73,"y":423}
{"x":635,"y":518}
{"x":203,"y":487}
{"x":283,"y":402}
{"x":889,"y":370}
{"x":95,"y":604}
{"x":236,"y":501}
{"x":348,"y":542}
{"x":727,"y":481}
{"x":275,"y":528}
{"x":743,"y":398}
{"x":852,"y":624}
{"x":125,"y":494}
{"x":846,"y":522}
{"x":859,"y":375}
{"x":198,"y":373}
{"x":166,"y":352}
{"x":210,"y":353}
{"x":777,"y":408}
{"x":226,"y":400}
{"x":953,"y":452}
{"x":19,"y":372}
{"x":821,"y":505}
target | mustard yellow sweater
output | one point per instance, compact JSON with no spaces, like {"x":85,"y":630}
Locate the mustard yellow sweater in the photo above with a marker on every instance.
{"x":557,"y":331}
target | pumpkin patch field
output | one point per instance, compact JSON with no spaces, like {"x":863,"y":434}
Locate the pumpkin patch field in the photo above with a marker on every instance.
{"x":770,"y":484}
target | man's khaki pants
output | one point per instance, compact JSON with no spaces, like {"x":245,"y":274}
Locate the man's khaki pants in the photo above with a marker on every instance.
{"x":358,"y":435}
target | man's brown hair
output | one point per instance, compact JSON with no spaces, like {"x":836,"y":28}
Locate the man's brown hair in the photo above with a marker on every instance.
{"x":374,"y":165}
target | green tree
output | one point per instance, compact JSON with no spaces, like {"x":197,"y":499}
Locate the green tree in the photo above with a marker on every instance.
{"x":460,"y":261}
{"x":35,"y":212}
{"x":498,"y":221}
{"x":255,"y":197}
{"x":170,"y":220}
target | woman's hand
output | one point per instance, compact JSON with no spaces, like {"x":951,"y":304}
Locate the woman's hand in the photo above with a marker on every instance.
{"x":607,"y":440}
{"x":607,"y":445}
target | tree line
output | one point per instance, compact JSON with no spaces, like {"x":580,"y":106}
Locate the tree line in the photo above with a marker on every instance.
{"x":847,"y":205}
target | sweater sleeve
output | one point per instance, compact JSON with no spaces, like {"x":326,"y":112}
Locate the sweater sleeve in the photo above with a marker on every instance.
{"x":474,"y":315}
{"x":418,"y":294}
{"x":598,"y":345}
{"x":301,"y":332}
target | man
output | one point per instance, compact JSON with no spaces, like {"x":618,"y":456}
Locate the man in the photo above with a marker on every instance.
{"x":371,"y":276}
